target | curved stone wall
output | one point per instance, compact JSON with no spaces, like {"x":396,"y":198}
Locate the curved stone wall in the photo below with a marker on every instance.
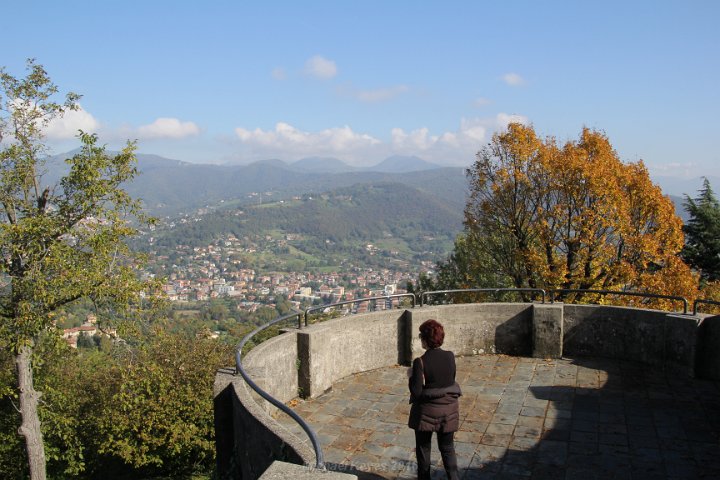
{"x":310,"y":360}
{"x":273,"y":366}
{"x":247,"y":438}
{"x":477,"y":328}
{"x":334,"y":349}
{"x":647,"y":336}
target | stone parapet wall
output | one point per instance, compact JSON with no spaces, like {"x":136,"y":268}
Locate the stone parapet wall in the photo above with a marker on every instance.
{"x":273,"y":365}
{"x":707,"y":356}
{"x":334,"y":349}
{"x":647,"y":336}
{"x":308,"y":361}
{"x":477,"y":328}
{"x":248,"y":440}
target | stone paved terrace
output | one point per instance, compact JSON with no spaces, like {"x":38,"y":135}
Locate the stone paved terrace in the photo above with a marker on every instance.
{"x":527,"y":418}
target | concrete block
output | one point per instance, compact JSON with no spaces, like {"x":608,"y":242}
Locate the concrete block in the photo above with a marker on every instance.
{"x":680,"y":344}
{"x":290,"y":471}
{"x":248,"y":440}
{"x":708,"y":354}
{"x":547,"y":330}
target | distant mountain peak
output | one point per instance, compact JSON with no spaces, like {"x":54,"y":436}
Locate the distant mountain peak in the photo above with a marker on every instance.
{"x":401,"y":163}
{"x":321,"y":165}
{"x":273,"y":162}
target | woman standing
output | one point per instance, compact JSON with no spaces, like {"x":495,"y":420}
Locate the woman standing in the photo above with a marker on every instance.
{"x":434,"y":396}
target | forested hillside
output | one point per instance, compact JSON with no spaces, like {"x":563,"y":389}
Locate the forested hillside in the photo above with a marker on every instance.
{"x":166,"y":191}
{"x":169,"y":187}
{"x":343,"y":222}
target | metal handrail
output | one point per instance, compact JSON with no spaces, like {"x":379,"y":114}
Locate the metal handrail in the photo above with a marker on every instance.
{"x":616,"y":292}
{"x":311,"y":433}
{"x":700,"y":300}
{"x":486,"y":290}
{"x":359,"y":300}
{"x":319,"y":459}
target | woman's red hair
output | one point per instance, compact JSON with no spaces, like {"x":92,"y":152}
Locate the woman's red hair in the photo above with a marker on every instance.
{"x":432,"y":332}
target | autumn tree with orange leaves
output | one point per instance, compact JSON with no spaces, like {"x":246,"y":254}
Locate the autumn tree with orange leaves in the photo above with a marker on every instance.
{"x":573,"y":216}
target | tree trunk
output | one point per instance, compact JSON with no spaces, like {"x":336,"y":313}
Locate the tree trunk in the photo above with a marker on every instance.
{"x":30,"y":427}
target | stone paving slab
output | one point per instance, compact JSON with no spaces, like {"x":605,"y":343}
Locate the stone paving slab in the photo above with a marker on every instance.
{"x":527,"y":418}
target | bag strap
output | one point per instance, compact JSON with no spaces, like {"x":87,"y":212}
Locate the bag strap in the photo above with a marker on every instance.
{"x":422,"y":365}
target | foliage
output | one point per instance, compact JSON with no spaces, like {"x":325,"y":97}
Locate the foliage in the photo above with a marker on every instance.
{"x":572,"y":217}
{"x":13,"y":459}
{"x":58,"y":243}
{"x":144,"y":410}
{"x":702,"y":233}
{"x":466,"y":267}
{"x":64,"y":242}
{"x":162,"y":413}
{"x":61,"y":407}
{"x":59,"y":374}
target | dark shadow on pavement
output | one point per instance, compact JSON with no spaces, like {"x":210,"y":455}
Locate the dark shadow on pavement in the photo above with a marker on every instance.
{"x":642,"y":423}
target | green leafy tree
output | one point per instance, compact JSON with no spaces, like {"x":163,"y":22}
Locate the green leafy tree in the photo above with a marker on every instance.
{"x":160,"y":416}
{"x":217,"y":310}
{"x":61,"y":374}
{"x":466,"y":267}
{"x":58,"y":243}
{"x":12,"y":459}
{"x":85,"y":341}
{"x":283,"y":305}
{"x":702,"y":233}
{"x":142,"y":410}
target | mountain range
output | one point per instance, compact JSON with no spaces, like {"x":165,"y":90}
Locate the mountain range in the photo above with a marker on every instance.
{"x":169,"y":187}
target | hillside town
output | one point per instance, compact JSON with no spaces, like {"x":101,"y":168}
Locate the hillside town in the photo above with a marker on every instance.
{"x":217,"y":269}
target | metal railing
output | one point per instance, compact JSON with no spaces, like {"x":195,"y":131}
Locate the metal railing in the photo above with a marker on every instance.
{"x":359,"y":300}
{"x":699,"y":301}
{"x":423,"y":295}
{"x":621,"y":293}
{"x":319,"y":459}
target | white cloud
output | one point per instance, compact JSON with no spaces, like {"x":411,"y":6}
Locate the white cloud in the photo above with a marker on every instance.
{"x":168,"y":128}
{"x":448,"y":148}
{"x":502,"y":120}
{"x":482,"y":102}
{"x":62,"y":132}
{"x":68,"y":125}
{"x":674,"y":169}
{"x":513,"y":79}
{"x":287,"y":140}
{"x":473,"y":132}
{"x":416,"y":140}
{"x":320,"y":67}
{"x":278,"y":73}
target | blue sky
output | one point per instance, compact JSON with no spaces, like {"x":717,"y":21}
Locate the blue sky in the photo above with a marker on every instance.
{"x":241,"y":81}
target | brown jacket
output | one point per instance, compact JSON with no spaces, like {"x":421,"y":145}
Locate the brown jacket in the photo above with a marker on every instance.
{"x":436,"y":410}
{"x":434,"y":393}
